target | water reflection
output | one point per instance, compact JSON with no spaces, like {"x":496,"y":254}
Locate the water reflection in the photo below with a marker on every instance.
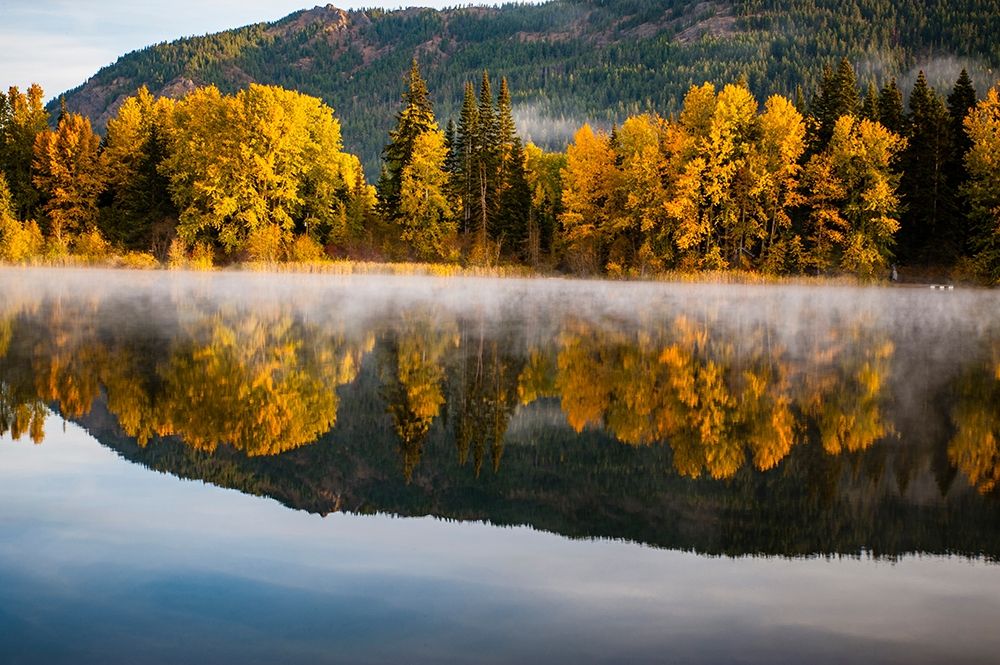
{"x":684,"y":425}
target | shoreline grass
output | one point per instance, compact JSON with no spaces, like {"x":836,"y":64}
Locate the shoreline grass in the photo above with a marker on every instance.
{"x":342,"y":267}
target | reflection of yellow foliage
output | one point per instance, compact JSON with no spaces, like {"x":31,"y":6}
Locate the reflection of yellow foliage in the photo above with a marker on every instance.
{"x":537,"y":380}
{"x":682,"y":387}
{"x":975,"y":448}
{"x":715,"y":399}
{"x":250,"y":383}
{"x":414,"y":384}
{"x":846,"y":396}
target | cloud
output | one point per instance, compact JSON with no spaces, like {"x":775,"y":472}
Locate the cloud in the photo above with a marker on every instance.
{"x":536,"y":124}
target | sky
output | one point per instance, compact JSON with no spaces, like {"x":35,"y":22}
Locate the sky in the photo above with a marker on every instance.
{"x":61,"y":43}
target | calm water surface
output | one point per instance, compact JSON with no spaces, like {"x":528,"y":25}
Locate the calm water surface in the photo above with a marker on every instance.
{"x":259,"y":469}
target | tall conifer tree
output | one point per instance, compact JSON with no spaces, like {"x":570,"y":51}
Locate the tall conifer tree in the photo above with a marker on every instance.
{"x":415,"y":118}
{"x":466,"y":146}
{"x":928,"y":231}
{"x":486,"y":168}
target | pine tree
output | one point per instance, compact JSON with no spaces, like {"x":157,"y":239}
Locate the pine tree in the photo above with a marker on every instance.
{"x":961,"y":101}
{"x":928,"y":231}
{"x":869,"y":106}
{"x":487,"y":170}
{"x":506,"y":131}
{"x":890,"y":108}
{"x":515,"y":206}
{"x":415,"y":118}
{"x":466,"y":146}
{"x":837,"y":97}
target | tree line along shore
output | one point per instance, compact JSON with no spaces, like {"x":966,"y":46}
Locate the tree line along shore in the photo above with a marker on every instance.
{"x":853,"y":181}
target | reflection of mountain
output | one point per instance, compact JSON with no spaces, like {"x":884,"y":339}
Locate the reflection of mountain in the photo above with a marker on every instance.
{"x":690,"y":430}
{"x":589,"y":486}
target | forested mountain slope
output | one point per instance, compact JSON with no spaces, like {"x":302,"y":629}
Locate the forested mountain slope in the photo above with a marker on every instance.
{"x":566,"y":60}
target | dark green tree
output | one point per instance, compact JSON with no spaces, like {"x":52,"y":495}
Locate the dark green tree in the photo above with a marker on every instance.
{"x":928,"y":231}
{"x":890,"y":108}
{"x":466,"y":142}
{"x":869,"y":106}
{"x":415,"y":118}
{"x":515,"y":206}
{"x":487,"y":171}
{"x":960,"y":102}
{"x":837,"y":96}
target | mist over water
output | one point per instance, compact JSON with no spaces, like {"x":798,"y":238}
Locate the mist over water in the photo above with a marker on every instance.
{"x":684,"y":469}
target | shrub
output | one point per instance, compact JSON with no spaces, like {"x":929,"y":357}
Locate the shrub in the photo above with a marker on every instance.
{"x":19,"y":242}
{"x":305,"y":249}
{"x":138,"y":261}
{"x":177,"y":255}
{"x":202,"y":256}
{"x":91,"y":244}
{"x":266,"y":243}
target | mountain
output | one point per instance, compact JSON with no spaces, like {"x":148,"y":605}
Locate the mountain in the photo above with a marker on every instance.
{"x":567,"y":60}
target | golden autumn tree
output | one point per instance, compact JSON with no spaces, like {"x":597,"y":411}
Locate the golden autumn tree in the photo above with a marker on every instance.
{"x":69,"y":174}
{"x":781,"y":145}
{"x":426,"y":214}
{"x":853,"y":198}
{"x":712,"y":196}
{"x":589,"y":181}
{"x":982,"y":161}
{"x":640,"y":231}
{"x":17,"y":241}
{"x":22,"y":118}
{"x":266,"y":158}
{"x":134,"y":148}
{"x":543,"y":171}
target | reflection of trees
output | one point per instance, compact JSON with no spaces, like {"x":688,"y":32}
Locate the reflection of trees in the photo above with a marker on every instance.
{"x":21,"y":414}
{"x":975,"y":448}
{"x":21,"y":411}
{"x":265,"y":381}
{"x":412,"y":376}
{"x":717,"y":399}
{"x":845,"y":389}
{"x":261,"y":382}
{"x":485,"y":388}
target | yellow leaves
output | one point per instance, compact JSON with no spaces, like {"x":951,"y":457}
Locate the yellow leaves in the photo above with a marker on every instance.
{"x":19,"y":242}
{"x":69,"y":172}
{"x":427,"y":216}
{"x":975,"y":447}
{"x":266,"y":156}
{"x":588,"y":183}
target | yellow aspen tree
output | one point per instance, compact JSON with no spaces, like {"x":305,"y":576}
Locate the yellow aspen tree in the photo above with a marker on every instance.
{"x":69,"y":174}
{"x":983,"y":189}
{"x":426,"y":216}
{"x":588,"y":185}
{"x":855,"y":204}
{"x":781,"y":145}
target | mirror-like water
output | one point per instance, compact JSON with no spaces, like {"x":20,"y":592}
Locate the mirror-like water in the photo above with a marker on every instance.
{"x":686,"y":473}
